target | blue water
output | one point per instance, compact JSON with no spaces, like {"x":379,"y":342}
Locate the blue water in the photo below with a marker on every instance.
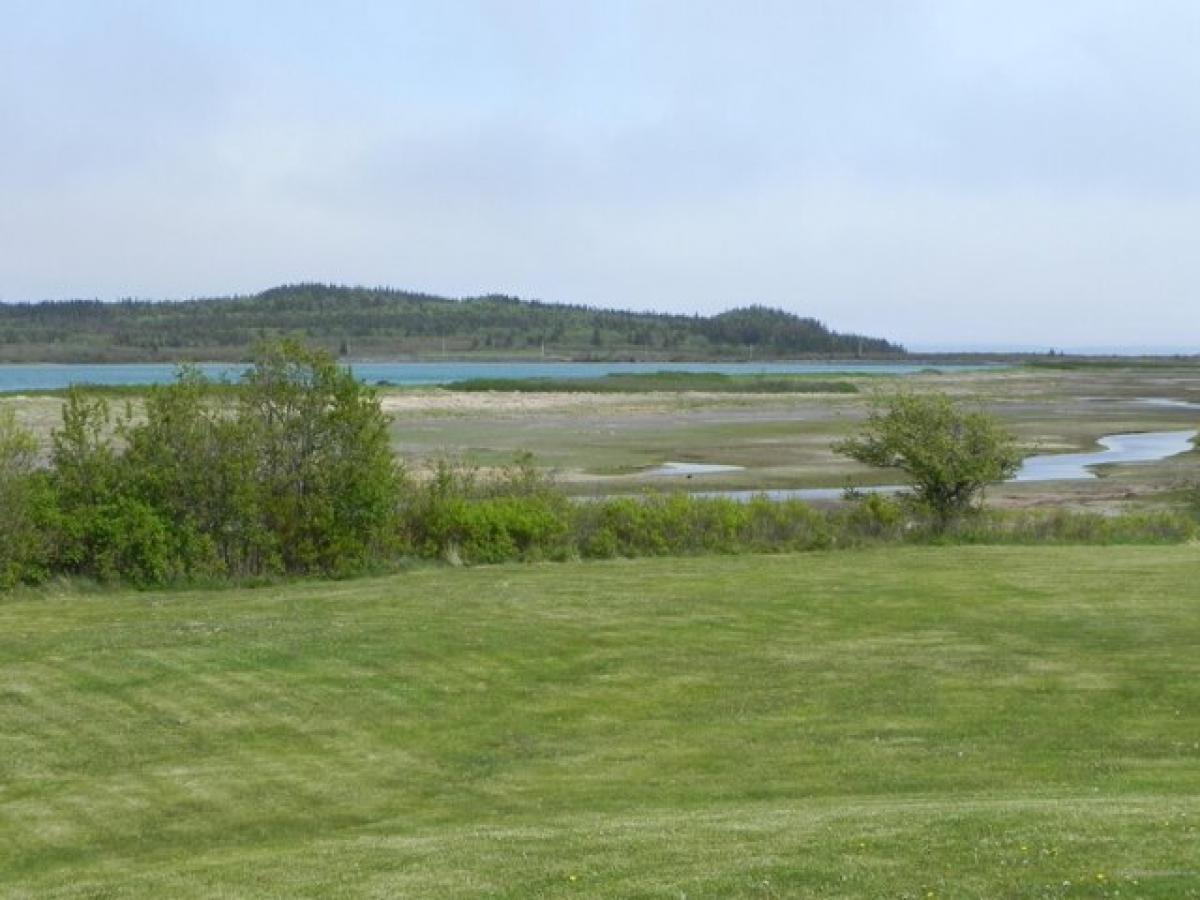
{"x":1148,"y":446}
{"x":53,"y":377}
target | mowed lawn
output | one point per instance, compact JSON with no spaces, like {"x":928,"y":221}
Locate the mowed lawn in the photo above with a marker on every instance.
{"x":906,"y":722}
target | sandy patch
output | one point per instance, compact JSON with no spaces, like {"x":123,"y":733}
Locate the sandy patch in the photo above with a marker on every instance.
{"x":517,"y":403}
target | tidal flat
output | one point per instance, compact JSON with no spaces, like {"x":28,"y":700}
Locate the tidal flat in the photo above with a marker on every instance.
{"x":613,"y":443}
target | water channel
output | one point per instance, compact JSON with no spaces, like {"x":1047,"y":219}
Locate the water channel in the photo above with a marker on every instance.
{"x":1141,"y":447}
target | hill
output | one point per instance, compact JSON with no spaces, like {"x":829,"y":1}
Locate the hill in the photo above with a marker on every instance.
{"x":385,"y":323}
{"x":905,"y":722}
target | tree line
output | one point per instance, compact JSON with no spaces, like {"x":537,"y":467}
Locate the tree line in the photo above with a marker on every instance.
{"x":361,"y":321}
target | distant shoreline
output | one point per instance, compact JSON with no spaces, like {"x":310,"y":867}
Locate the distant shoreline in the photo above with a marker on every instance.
{"x":81,"y":357}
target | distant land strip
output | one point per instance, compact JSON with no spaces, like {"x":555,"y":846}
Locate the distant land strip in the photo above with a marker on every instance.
{"x":384,"y":323}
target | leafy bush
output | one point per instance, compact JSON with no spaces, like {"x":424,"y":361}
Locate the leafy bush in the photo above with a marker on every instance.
{"x":1061,"y":526}
{"x":494,"y":529}
{"x":295,"y":475}
{"x":327,"y":480}
{"x":786,"y":525}
{"x":624,"y":526}
{"x":196,"y":462}
{"x":679,"y":524}
{"x":25,"y":504}
{"x":461,"y":516}
{"x":122,"y":540}
{"x":875,"y":517}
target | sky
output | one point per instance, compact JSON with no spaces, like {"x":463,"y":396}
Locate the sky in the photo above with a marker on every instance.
{"x":945,"y":173}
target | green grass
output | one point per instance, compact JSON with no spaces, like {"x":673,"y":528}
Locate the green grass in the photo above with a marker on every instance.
{"x":633,"y":383}
{"x":961,"y":722}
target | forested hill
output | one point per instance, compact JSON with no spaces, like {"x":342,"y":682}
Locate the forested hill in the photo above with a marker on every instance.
{"x":384,"y":323}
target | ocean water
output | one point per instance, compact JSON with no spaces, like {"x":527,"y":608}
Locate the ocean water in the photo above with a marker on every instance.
{"x":39,"y":376}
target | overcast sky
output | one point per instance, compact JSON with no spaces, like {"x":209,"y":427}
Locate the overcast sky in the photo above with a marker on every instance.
{"x":955,"y":173}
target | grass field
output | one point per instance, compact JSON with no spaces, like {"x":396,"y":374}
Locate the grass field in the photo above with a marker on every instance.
{"x":959,"y":722}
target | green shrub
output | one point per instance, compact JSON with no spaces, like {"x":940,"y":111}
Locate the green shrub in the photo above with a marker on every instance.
{"x":1061,"y":526}
{"x":26,"y":503}
{"x":322,"y":461}
{"x":786,"y":525}
{"x":192,"y":459}
{"x":679,"y":524}
{"x":497,"y":529}
{"x":123,"y":540}
{"x":624,"y":526}
{"x":515,"y":514}
{"x":296,"y":474}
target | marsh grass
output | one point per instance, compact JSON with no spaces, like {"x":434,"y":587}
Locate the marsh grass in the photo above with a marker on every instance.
{"x":634,"y":383}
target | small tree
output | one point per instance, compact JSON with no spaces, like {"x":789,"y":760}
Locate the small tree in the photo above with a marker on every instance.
{"x":949,"y":455}
{"x":329,"y":482}
{"x":193,"y":460}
